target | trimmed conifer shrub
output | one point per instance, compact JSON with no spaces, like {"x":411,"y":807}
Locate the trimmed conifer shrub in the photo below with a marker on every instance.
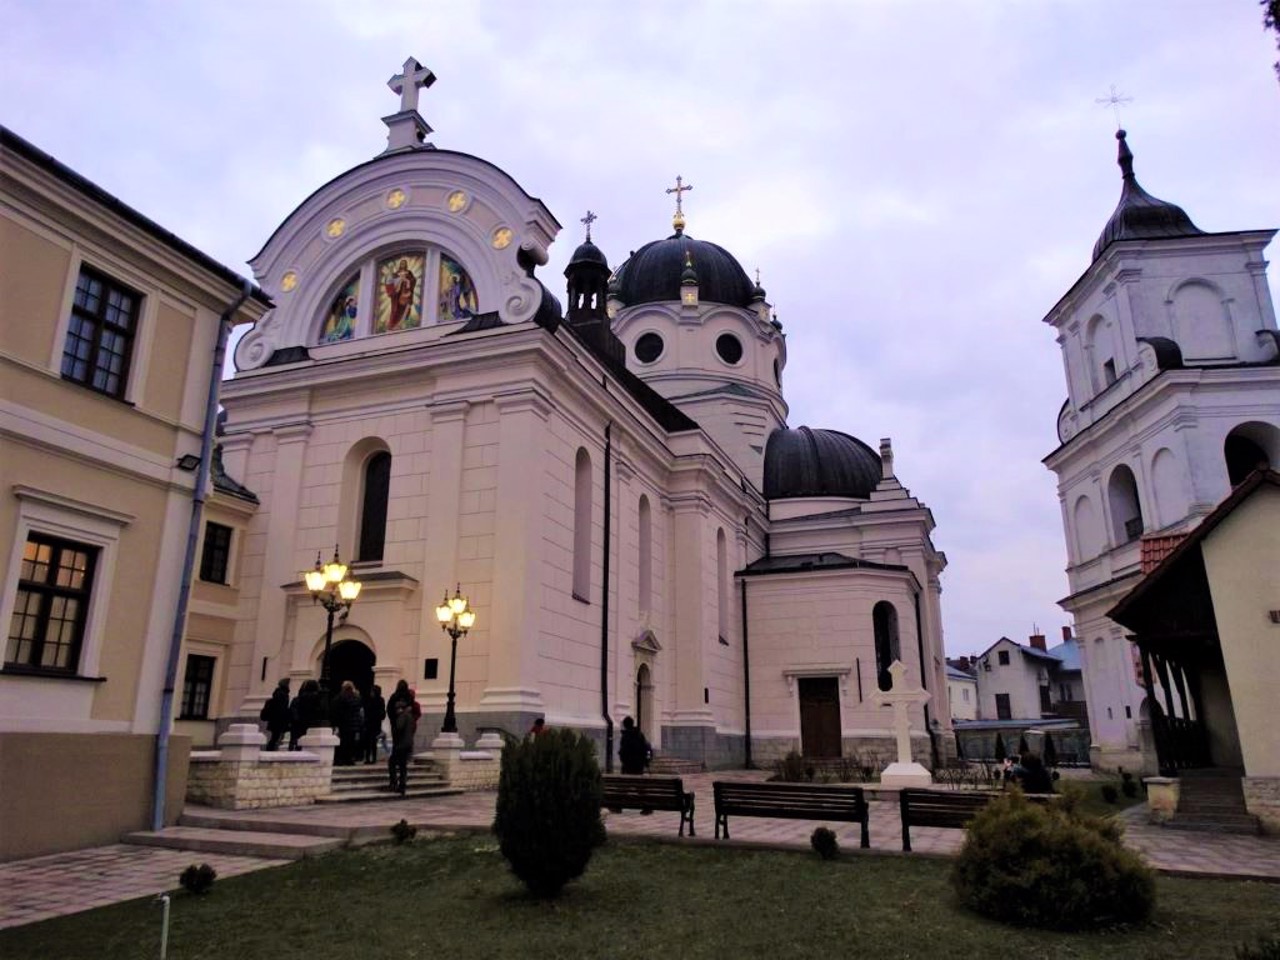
{"x":548,"y":814}
{"x":1000,"y":751}
{"x":198,"y":879}
{"x":1042,"y":866}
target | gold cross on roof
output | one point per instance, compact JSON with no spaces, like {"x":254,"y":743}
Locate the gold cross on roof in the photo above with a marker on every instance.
{"x":681,"y":187}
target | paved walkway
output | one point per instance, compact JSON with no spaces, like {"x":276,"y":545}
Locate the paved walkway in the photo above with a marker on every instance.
{"x":44,"y":887}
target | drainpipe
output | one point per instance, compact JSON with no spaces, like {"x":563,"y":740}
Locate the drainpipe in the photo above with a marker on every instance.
{"x":746,"y":673}
{"x":189,"y":561}
{"x":604,"y":599}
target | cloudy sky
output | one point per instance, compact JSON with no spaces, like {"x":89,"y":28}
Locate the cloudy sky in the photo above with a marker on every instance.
{"x":918,"y":182}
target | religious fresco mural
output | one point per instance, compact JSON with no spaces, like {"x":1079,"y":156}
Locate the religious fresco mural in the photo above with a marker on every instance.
{"x":340,"y":323}
{"x":399,"y":300}
{"x":457,"y":292}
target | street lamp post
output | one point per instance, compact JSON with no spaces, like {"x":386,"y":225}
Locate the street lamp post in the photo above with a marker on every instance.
{"x":330,"y":586}
{"x":456,"y":618}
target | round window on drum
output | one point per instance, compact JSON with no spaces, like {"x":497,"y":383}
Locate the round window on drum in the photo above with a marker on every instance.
{"x":729,"y":348}
{"x":649,"y":347}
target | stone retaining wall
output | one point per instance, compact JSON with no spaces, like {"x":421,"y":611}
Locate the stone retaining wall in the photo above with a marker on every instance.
{"x":1262,"y":799}
{"x":241,"y":776}
{"x":469,"y":770}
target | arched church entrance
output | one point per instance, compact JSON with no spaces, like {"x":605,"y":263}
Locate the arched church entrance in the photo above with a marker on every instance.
{"x":351,"y":660}
{"x":644,"y":701}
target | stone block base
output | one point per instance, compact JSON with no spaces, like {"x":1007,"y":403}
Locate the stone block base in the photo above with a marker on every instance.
{"x":1162,"y":797}
{"x":1262,"y":799}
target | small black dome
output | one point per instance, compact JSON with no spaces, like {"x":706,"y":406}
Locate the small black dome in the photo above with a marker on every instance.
{"x":588,"y":252}
{"x":1139,"y":215}
{"x":818,"y":463}
{"x":652,"y":274}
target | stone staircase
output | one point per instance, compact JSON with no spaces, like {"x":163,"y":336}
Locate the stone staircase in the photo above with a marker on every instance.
{"x":371,"y":782}
{"x":673,"y":767}
{"x":265,"y":833}
{"x":1212,"y":801}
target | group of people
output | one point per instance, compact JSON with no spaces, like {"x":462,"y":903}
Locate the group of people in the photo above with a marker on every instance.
{"x":358,"y":721}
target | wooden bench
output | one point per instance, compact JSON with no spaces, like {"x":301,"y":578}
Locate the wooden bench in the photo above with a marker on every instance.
{"x":943,"y":808}
{"x":629,"y":791}
{"x":790,"y":801}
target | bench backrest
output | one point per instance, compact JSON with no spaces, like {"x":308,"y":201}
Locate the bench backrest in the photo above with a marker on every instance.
{"x":742,"y":798}
{"x":936,"y":808}
{"x":632,"y":787}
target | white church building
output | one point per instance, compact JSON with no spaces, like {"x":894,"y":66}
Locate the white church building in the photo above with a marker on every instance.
{"x":1172,"y":362}
{"x":612,"y":484}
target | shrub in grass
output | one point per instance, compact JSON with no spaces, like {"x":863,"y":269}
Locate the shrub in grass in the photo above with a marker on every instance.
{"x":823,"y":840}
{"x":1109,"y":793}
{"x":792,"y":769}
{"x":198,"y":879}
{"x":548,"y":814}
{"x":1268,"y":948}
{"x":1129,"y":786}
{"x":1041,"y":866}
{"x":404,"y":831}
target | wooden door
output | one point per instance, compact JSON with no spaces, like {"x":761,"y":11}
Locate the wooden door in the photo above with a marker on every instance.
{"x":819,"y":717}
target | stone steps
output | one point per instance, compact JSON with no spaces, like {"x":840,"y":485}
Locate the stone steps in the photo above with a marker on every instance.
{"x":242,"y":843}
{"x":674,"y":767}
{"x":383,"y":793}
{"x":1240,"y":823}
{"x":363,"y":782}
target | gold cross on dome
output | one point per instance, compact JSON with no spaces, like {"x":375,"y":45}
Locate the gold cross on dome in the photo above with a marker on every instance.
{"x":589,"y":219}
{"x":678,"y":220}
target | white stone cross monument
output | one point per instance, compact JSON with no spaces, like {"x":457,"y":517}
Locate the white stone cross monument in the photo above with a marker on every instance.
{"x":406,"y":130}
{"x":903,"y":772}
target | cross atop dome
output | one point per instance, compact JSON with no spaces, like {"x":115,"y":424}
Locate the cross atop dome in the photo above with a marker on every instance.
{"x":406,"y":130}
{"x":678,"y":220}
{"x":589,"y":219}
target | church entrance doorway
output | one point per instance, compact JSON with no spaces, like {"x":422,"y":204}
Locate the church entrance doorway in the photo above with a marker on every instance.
{"x":644,"y":701}
{"x":351,"y":660}
{"x":819,"y":717}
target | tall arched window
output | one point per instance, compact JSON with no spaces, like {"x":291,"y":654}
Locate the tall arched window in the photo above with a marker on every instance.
{"x":375,"y":489}
{"x":884,"y":620}
{"x":1126,"y":511}
{"x":722,"y":585}
{"x":646,"y":556}
{"x":582,"y":525}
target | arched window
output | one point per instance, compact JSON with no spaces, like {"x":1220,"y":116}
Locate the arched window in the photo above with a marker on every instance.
{"x":1166,"y":483}
{"x":582,"y":525}
{"x":1201,"y":325}
{"x":884,"y":619}
{"x":1249,"y":447}
{"x":1126,"y":510}
{"x":375,"y":489}
{"x":722,"y":585}
{"x":646,"y":556}
{"x":1100,"y":352}
{"x":1088,"y":532}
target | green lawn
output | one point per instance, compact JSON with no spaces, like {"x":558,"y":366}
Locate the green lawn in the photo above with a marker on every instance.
{"x":453,"y":898}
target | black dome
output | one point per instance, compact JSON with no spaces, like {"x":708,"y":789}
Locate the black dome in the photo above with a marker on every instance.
{"x":818,"y":463}
{"x":652,"y":274}
{"x":588,"y":252}
{"x":1139,"y":215}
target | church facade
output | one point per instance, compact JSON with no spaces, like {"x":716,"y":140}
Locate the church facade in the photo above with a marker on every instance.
{"x":611,"y":483}
{"x":1172,"y":361}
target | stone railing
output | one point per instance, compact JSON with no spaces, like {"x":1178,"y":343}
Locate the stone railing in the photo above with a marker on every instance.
{"x":1162,"y":797}
{"x":240,"y":775}
{"x":468,"y":769}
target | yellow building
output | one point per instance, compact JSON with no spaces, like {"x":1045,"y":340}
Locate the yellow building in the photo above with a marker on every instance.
{"x":109,"y":326}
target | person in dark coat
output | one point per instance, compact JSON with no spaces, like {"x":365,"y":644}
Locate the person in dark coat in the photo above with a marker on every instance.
{"x":375,"y":711}
{"x":401,"y":692}
{"x":1034,"y":777}
{"x":276,"y":713}
{"x":404,"y":725}
{"x":633,"y":748}
{"x":348,"y":719}
{"x":306,"y":712}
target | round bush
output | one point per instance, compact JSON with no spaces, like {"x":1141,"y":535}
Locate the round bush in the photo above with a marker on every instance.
{"x":548,"y":814}
{"x":1043,"y":866}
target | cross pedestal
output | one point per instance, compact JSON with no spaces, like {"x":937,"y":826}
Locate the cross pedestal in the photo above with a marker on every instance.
{"x":903,"y":772}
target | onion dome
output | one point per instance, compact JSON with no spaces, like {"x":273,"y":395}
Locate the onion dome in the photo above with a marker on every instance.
{"x":653,"y":273}
{"x":1140,"y":216}
{"x":818,"y":463}
{"x":688,"y":274}
{"x":757,"y":291}
{"x":588,"y":252}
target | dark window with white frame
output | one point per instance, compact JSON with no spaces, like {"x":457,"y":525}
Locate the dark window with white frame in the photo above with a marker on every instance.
{"x":884,"y":621}
{"x":215,"y":561}
{"x":197,"y":687}
{"x":51,"y":606}
{"x":1002,"y":657}
{"x":373,"y":507}
{"x":1004,"y":711}
{"x":100,"y":333}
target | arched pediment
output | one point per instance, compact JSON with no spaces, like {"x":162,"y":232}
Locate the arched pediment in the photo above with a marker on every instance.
{"x":435,"y":204}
